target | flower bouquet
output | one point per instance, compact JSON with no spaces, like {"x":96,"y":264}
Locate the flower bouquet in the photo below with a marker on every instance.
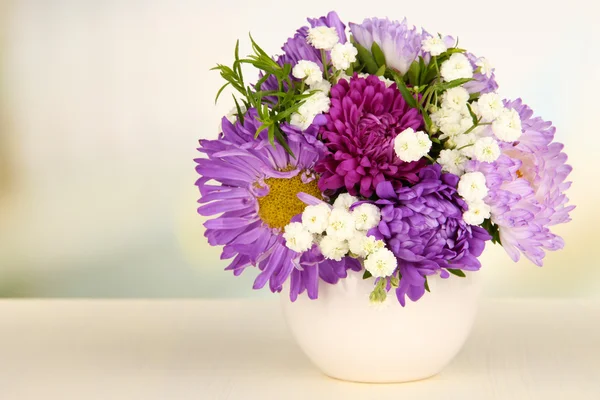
{"x":384,"y":152}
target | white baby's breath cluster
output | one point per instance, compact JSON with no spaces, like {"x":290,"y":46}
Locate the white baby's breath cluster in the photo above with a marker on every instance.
{"x":472,"y":188}
{"x":342,"y":55}
{"x":340,"y":231}
{"x":457,"y":66}
{"x":466,"y":141}
{"x":319,"y":101}
{"x":323,"y":37}
{"x":412,"y":146}
{"x":434,"y":45}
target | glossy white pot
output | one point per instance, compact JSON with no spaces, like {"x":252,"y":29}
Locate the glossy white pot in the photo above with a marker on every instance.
{"x":348,"y":338}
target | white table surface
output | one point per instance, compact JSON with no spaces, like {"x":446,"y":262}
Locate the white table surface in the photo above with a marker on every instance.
{"x":241,"y":349}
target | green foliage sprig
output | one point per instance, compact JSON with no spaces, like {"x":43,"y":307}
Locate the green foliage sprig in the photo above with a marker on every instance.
{"x":273,"y":106}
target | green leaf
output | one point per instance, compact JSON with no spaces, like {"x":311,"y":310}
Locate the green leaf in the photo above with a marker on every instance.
{"x":267,"y":93}
{"x":428,"y":122}
{"x":427,"y":285}
{"x":257,"y":48}
{"x":240,"y":114}
{"x":262,"y":80}
{"x":287,"y":112}
{"x":413,"y":73}
{"x":236,"y":65}
{"x":394,"y":281}
{"x":221,"y":91}
{"x":430,"y":75}
{"x":422,"y":75}
{"x":380,"y":71}
{"x":408,"y":97}
{"x":492,"y":230}
{"x":366,"y":58}
{"x":260,"y":129}
{"x":271,"y":134}
{"x":282,"y":141}
{"x":367,"y":275}
{"x":452,"y":84}
{"x":378,"y":54}
{"x":456,"y":272}
{"x":474,"y":96}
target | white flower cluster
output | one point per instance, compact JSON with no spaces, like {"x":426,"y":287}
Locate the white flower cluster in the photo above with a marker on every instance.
{"x":316,"y":104}
{"x":411,"y":146}
{"x":339,"y":232}
{"x":457,"y":66}
{"x":485,"y":67}
{"x":434,"y":45}
{"x":473,"y":189}
{"x":455,"y":123}
{"x":341,"y":55}
{"x":322,"y":37}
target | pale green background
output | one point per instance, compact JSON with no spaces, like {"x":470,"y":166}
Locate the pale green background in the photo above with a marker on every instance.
{"x":103,"y":102}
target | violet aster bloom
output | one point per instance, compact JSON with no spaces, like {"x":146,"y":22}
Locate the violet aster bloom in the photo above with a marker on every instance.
{"x":252,"y":189}
{"x":364,"y":118}
{"x":400,"y":43}
{"x":527,"y":187}
{"x":424,"y":228}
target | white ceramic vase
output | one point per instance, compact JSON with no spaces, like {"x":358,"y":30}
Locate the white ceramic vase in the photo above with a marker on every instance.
{"x":348,"y":338}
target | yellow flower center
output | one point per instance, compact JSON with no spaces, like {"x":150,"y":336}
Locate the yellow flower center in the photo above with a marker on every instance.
{"x":277,"y":208}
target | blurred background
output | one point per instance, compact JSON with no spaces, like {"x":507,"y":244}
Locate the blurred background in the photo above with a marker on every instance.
{"x":102,"y":104}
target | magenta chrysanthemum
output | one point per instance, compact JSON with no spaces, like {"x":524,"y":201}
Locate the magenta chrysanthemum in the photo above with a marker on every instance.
{"x":527,"y":187}
{"x":364,"y":118}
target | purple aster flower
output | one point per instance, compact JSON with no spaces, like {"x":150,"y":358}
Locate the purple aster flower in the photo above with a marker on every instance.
{"x":400,"y":43}
{"x":252,"y":187}
{"x":364,"y":118}
{"x":527,"y":187}
{"x":481,"y":83}
{"x":423,"y":226}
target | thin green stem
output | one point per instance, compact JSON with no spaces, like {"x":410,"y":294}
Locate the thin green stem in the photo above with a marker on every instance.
{"x":436,"y":65}
{"x":465,"y":146}
{"x":427,"y":156}
{"x":325,"y":67}
{"x":471,"y":129}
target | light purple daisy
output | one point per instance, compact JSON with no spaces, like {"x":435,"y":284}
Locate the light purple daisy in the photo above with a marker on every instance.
{"x":527,"y":187}
{"x":400,"y":43}
{"x":251,"y":187}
